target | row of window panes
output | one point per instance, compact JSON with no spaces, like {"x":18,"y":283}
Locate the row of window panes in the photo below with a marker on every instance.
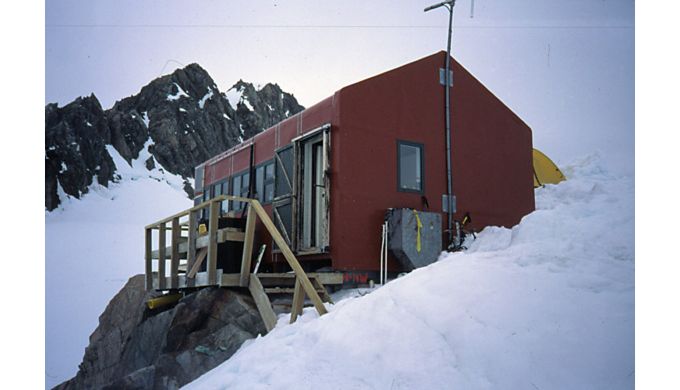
{"x":264,"y":188}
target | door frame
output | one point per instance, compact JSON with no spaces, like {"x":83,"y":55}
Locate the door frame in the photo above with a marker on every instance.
{"x":321,"y":133}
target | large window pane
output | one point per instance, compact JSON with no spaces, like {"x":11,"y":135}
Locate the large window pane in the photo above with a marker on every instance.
{"x":225,"y":190}
{"x":236,"y":191}
{"x":259,"y":183}
{"x":410,"y":167}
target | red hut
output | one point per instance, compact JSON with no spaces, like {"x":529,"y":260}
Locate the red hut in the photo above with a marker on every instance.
{"x":328,"y":174}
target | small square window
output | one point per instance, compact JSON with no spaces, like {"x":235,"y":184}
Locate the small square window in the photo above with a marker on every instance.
{"x":410,"y":166}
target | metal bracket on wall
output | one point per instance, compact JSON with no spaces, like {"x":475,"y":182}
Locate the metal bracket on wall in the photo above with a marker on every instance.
{"x":442,"y":73}
{"x":446,"y":203}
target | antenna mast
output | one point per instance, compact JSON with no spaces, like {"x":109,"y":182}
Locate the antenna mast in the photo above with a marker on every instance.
{"x":450,"y":199}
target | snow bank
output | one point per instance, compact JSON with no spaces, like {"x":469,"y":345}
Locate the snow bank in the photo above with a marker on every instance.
{"x":92,"y":246}
{"x":548,"y":304}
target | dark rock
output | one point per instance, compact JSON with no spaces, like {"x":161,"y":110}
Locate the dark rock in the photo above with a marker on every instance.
{"x":149,"y":163}
{"x":75,"y":149}
{"x":182,"y":117}
{"x":135,"y":349}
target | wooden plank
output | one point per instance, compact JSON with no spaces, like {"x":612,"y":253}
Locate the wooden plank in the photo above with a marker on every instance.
{"x":197,"y":265}
{"x":161,"y":256}
{"x":324,"y":277}
{"x":264,"y":306}
{"x":198,"y":207}
{"x":148,"y":270}
{"x":320,"y":287}
{"x":212,"y":245}
{"x":191,"y":246}
{"x":298,"y":301}
{"x":174,"y":252}
{"x":231,"y":280}
{"x":248,"y":247}
{"x":288,"y":254}
{"x":223,"y":235}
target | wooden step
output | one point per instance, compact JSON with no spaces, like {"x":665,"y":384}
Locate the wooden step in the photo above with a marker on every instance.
{"x":285,"y":290}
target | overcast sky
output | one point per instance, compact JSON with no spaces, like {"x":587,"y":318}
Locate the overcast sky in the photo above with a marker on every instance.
{"x":565,"y":67}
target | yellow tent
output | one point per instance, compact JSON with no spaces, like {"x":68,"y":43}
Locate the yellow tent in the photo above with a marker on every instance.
{"x":545,"y":171}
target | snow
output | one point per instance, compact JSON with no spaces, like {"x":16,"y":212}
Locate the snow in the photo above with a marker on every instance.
{"x":548,"y":304}
{"x":145,"y":118}
{"x":88,"y":123}
{"x":233,"y":95}
{"x":205,"y":97}
{"x":182,"y":110}
{"x":247,"y":103}
{"x":63,"y":168}
{"x":226,"y":116}
{"x":92,"y":246}
{"x":180,"y":93}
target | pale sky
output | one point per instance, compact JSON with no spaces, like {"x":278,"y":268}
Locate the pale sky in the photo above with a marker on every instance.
{"x":565,"y":67}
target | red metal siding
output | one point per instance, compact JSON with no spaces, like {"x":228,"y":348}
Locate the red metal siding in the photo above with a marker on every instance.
{"x":491,"y":153}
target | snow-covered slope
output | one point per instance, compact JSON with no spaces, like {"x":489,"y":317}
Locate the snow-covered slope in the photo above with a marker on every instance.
{"x":92,"y":246}
{"x":548,"y":304}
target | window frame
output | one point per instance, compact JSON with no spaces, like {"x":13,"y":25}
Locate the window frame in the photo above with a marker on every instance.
{"x":243,"y":190}
{"x":421,"y":148}
{"x":261,"y":169}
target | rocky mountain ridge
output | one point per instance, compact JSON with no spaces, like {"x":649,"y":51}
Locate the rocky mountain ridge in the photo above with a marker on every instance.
{"x":184,"y":115}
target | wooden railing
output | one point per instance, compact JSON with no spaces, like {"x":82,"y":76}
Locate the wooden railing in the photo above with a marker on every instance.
{"x":197,"y":249}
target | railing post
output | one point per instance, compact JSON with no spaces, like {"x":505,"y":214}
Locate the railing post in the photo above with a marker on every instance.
{"x":191,"y":250}
{"x":248,"y":247}
{"x":212,"y":246}
{"x":174,"y":253}
{"x":161,"y":256}
{"x":148,"y":270}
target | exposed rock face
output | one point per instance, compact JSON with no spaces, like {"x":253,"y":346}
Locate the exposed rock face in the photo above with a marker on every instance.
{"x":133,"y":348}
{"x":182,"y":118}
{"x":75,"y":153}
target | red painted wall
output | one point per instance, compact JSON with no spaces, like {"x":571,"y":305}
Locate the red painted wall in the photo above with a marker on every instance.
{"x":491,"y":154}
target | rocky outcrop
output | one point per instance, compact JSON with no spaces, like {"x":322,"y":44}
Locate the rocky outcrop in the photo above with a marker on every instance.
{"x":182,"y":118}
{"x":75,"y":152}
{"x":135,"y":348}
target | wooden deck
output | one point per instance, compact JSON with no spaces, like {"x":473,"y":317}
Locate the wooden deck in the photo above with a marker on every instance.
{"x":186,"y":244}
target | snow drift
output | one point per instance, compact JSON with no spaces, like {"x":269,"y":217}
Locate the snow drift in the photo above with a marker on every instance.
{"x":548,"y":304}
{"x":92,"y":246}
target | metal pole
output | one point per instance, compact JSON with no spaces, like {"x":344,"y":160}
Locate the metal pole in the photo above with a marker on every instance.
{"x":447,"y":108}
{"x":449,"y":184}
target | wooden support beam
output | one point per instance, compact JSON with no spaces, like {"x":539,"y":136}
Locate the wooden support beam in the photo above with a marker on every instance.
{"x":212,"y":243}
{"x":262,"y":302}
{"x":298,"y":301}
{"x":288,"y":255}
{"x":191,"y":246}
{"x":320,"y":287}
{"x":279,"y":278}
{"x":174,"y":252}
{"x":231,"y":280}
{"x":248,"y":247}
{"x":161,"y":256}
{"x":148,"y":270}
{"x":197,"y":265}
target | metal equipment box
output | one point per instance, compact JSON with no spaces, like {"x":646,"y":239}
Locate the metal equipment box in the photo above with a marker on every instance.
{"x":415,"y":247}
